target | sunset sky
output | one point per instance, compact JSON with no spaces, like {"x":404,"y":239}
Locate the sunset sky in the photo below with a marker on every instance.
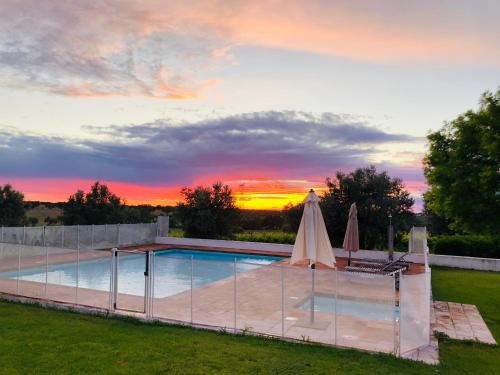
{"x":270,"y":97}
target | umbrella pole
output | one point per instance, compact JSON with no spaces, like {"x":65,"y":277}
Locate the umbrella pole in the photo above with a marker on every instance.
{"x":349,"y":260}
{"x":312,"y":295}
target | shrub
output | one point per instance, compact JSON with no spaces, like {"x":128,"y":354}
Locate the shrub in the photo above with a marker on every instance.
{"x":266,"y":236}
{"x":467,"y":245}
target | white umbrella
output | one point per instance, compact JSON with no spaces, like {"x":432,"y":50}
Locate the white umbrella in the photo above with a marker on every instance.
{"x":312,"y":240}
{"x":351,"y":238}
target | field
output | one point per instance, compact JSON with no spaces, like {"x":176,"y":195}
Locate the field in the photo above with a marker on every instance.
{"x":42,"y":212}
{"x":44,"y":341}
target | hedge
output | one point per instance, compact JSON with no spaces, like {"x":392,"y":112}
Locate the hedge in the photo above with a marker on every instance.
{"x":467,"y":245}
{"x":266,"y":236}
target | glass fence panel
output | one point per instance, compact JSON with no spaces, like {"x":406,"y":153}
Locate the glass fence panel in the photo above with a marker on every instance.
{"x":259,"y":298}
{"x":297,"y":289}
{"x":213,"y":293}
{"x":85,"y":236}
{"x":366,"y":311}
{"x":94,"y":278}
{"x":104,"y":236}
{"x":32,"y":271}
{"x":131,"y":281}
{"x":172,"y":287}
{"x":54,"y":236}
{"x":62,"y":273}
{"x":70,"y":237}
{"x":9,"y":267}
{"x":415,"y":305}
{"x":13,"y":235}
{"x":136,"y":234}
{"x":309,"y":304}
{"x":34,"y":236}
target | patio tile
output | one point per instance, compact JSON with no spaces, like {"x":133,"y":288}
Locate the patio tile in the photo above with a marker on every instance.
{"x":461,"y":322}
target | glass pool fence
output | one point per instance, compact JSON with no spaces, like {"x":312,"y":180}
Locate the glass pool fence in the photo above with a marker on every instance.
{"x":265,"y":297}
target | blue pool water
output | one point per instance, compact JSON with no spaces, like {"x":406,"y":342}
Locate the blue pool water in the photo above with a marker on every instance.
{"x":172,"y":273}
{"x":360,"y":309}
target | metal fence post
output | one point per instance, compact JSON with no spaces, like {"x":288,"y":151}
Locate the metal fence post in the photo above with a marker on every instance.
{"x":336,"y":301}
{"x":152,"y":286}
{"x":394,"y":314}
{"x":77,"y":262}
{"x":282,"y":276}
{"x":401,"y":293}
{"x":146,"y":285}
{"x":234,"y":293}
{"x":113,"y":278}
{"x":19,"y":258}
{"x":191,"y":290}
{"x":118,"y":239}
{"x":46,"y":259}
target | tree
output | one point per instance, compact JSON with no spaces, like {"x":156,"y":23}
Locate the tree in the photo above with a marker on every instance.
{"x":462,"y":166}
{"x":98,"y":206}
{"x":376,"y":195}
{"x":293,"y":215}
{"x":208,"y":212}
{"x":12,"y":210}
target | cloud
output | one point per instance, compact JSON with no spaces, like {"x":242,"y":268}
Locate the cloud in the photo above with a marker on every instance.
{"x":109,"y":48}
{"x":172,"y":50}
{"x":276,"y":145}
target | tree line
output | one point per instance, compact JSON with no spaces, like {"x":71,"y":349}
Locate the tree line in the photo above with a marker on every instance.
{"x":97,"y":206}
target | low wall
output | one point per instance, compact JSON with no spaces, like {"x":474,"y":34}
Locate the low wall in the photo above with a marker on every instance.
{"x":285,"y":250}
{"x":237,"y":245}
{"x":482,"y":264}
{"x":471,"y":263}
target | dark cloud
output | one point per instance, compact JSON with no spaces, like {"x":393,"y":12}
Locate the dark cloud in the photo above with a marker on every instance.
{"x":278,"y":144}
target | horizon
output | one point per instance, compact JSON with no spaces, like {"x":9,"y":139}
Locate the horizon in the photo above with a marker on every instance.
{"x":270,"y":98}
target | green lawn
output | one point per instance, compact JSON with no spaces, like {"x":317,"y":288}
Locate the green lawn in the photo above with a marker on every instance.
{"x":43,"y":341}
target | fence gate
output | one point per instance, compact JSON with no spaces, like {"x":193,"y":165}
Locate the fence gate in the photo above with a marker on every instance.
{"x":130,"y":280}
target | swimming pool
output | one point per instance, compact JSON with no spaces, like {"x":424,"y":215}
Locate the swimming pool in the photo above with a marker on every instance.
{"x":172,"y":271}
{"x":343,"y":306}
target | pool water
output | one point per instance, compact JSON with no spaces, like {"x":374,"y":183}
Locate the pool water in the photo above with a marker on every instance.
{"x":361,"y":309}
{"x":172,"y":271}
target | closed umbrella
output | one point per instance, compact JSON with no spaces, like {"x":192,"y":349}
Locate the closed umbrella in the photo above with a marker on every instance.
{"x":351,"y":238}
{"x":312,"y":240}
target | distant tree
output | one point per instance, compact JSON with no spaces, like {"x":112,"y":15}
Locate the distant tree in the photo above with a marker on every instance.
{"x":293,"y":215}
{"x":51,"y":220}
{"x":462,"y":166}
{"x":208,"y":212}
{"x":31,"y":221}
{"x":376,"y":195}
{"x":12,"y":210}
{"x":98,"y":206}
{"x":435,"y":224}
{"x":138,"y":214}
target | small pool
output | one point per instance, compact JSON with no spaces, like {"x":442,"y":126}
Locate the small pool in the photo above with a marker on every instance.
{"x":352,"y":307}
{"x":172,"y":272}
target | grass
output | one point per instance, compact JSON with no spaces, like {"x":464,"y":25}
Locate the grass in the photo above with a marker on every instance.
{"x":44,"y":341}
{"x":175,"y":232}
